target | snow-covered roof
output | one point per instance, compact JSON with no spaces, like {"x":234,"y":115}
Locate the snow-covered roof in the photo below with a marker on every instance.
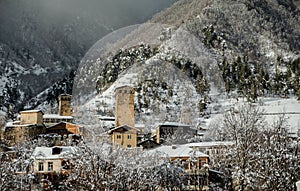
{"x":210,"y":144}
{"x":47,"y":152}
{"x":56,"y":116}
{"x":31,"y":111}
{"x":139,"y":126}
{"x":10,"y":124}
{"x":106,"y":118}
{"x":65,"y":94}
{"x":127,"y":127}
{"x":119,"y":86}
{"x":178,"y":151}
{"x":176,"y":124}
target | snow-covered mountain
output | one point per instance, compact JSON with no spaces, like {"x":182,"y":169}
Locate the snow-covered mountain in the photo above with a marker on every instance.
{"x":190,"y":57}
{"x":42,"y":42}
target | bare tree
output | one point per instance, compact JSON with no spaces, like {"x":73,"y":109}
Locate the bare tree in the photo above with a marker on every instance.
{"x":15,"y":167}
{"x":262,"y":157}
{"x":106,"y":168}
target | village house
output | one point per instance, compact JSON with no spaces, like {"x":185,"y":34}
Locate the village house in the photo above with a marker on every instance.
{"x":49,"y":160}
{"x":211,"y":148}
{"x":181,"y":132}
{"x":194,"y":162}
{"x":125,"y":136}
{"x":32,"y":123}
{"x":51,"y":165}
{"x":63,"y":133}
{"x":65,"y":128}
{"x":106,"y":122}
{"x":124,"y":133}
{"x":148,"y":144}
{"x":192,"y":159}
{"x":29,"y":126}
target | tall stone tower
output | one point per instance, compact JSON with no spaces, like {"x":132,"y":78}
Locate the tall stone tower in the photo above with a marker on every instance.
{"x":124,"y":106}
{"x":64,"y":105}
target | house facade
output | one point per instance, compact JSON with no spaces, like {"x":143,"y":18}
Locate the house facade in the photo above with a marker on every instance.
{"x":169,"y":129}
{"x":29,"y":126}
{"x":49,"y":160}
{"x":31,"y":117}
{"x":124,"y":136}
{"x":211,"y":148}
{"x":65,"y":128}
{"x":194,"y":162}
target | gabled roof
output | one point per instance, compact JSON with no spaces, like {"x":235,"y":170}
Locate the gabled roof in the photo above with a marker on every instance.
{"x":32,"y":111}
{"x":177,"y":151}
{"x":124,"y":86}
{"x":47,"y":152}
{"x":210,"y":144}
{"x":9,"y":124}
{"x":173,"y":124}
{"x":147,"y":141}
{"x":123,"y":128}
{"x":62,"y":122}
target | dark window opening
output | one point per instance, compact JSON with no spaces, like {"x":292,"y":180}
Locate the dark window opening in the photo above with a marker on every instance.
{"x":41,"y":166}
{"x":56,"y":150}
{"x":50,"y":166}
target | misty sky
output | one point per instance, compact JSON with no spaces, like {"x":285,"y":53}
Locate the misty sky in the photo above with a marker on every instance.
{"x":114,"y":13}
{"x":89,"y":19}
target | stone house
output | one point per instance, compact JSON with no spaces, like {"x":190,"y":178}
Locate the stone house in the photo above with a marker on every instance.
{"x":29,"y":126}
{"x":125,"y":136}
{"x":31,"y":117}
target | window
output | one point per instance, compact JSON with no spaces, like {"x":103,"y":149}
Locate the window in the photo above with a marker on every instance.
{"x":41,"y":166}
{"x":128,"y":146}
{"x":118,"y":136}
{"x":128,"y":136}
{"x":50,"y":166}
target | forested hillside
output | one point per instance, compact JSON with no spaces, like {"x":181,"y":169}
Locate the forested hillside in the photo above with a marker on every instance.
{"x":42,"y":42}
{"x":231,"y":48}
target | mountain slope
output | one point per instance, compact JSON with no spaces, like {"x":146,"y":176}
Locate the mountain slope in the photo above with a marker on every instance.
{"x":242,"y":48}
{"x":41,"y":42}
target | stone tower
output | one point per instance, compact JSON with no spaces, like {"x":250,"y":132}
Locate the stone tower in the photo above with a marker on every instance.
{"x":124,"y":106}
{"x":64,"y":105}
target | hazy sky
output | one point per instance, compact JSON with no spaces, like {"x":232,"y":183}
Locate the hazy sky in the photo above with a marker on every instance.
{"x":113,"y":12}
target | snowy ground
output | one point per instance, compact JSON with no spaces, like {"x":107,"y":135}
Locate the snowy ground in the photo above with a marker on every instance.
{"x":272,"y":109}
